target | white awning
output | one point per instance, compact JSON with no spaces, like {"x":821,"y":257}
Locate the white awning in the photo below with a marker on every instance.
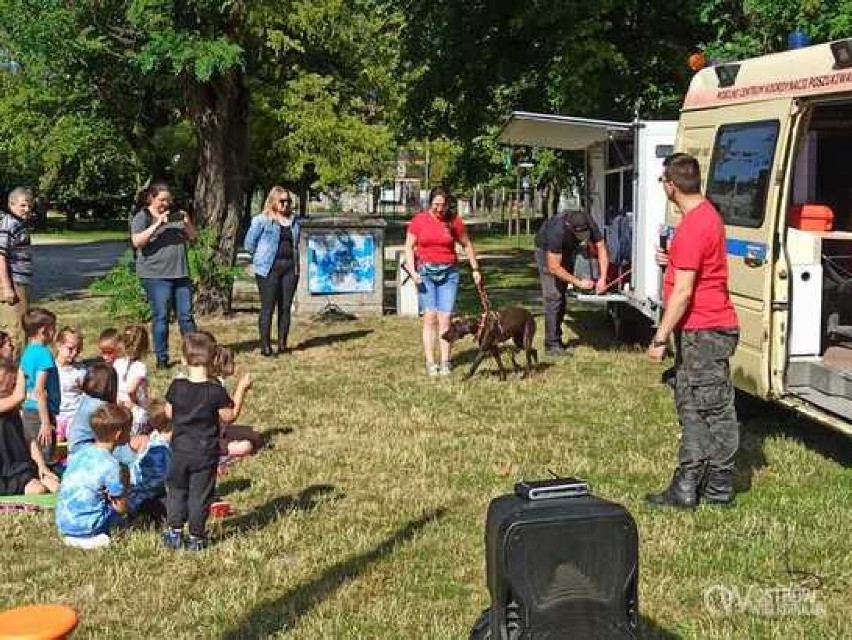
{"x":558,"y":132}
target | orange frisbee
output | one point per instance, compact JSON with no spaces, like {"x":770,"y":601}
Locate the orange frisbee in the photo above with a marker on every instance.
{"x":37,"y":622}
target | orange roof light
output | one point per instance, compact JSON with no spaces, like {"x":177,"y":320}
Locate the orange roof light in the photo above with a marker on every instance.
{"x":696,"y":61}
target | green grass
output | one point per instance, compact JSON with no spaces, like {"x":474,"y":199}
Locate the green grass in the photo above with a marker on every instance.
{"x":366,"y":518}
{"x":56,"y":230}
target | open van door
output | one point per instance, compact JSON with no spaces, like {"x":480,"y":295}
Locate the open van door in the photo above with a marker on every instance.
{"x":743,"y":151}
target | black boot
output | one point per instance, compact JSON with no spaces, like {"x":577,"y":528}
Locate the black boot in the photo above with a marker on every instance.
{"x":718,"y":488}
{"x":682,"y":492}
{"x":266,"y":351}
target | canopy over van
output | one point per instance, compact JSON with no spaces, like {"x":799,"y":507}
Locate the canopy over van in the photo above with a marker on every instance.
{"x":559,"y":132}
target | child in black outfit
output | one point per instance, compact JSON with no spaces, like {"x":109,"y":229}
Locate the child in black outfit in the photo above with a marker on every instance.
{"x":197,"y":406}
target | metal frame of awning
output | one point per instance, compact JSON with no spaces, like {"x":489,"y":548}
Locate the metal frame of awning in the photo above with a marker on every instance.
{"x":524,"y":128}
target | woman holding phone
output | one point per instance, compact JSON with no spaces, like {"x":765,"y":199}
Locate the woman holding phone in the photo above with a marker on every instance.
{"x":159,"y":233}
{"x":273,"y":242}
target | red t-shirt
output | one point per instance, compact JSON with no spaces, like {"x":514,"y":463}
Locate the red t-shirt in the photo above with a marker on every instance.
{"x":699,"y":245}
{"x":436,"y":243}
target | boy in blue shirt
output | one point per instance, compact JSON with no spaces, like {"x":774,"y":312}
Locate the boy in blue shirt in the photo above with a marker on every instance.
{"x":91,"y":497}
{"x":148,"y":471}
{"x":42,"y":388}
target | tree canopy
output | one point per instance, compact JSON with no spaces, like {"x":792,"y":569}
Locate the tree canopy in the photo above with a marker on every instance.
{"x":222,"y":98}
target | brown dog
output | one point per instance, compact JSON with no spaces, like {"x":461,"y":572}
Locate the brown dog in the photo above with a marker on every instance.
{"x":493,"y":328}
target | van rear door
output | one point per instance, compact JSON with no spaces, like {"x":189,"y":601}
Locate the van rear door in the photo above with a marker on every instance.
{"x":744,"y":177}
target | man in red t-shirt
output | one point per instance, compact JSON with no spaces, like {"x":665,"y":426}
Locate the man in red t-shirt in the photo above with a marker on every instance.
{"x":701,"y":317}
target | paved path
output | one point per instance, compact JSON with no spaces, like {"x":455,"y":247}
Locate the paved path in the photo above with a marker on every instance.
{"x":66,"y":270}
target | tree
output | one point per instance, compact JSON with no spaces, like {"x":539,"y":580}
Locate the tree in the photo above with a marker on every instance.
{"x":757,"y":27}
{"x":470,"y":64}
{"x":149,"y":64}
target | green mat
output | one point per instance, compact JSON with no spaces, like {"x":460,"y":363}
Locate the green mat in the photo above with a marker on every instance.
{"x":36,"y":502}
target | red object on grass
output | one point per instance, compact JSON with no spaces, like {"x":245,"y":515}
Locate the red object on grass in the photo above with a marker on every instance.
{"x":220,"y":509}
{"x":812,"y":217}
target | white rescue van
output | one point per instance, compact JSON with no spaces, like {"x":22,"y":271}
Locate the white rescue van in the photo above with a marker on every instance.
{"x":772,"y":135}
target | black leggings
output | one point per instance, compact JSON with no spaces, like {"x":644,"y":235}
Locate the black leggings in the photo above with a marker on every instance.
{"x":276,"y":292}
{"x":189,"y":491}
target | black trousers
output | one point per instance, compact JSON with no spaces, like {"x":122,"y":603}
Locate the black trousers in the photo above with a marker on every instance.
{"x":276,"y":293}
{"x":189,"y":491}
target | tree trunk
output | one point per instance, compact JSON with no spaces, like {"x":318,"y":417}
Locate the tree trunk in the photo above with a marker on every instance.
{"x":218,"y":110}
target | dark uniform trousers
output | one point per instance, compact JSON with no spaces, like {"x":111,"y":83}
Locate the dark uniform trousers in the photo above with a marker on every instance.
{"x":704,"y":397}
{"x":553,"y":293}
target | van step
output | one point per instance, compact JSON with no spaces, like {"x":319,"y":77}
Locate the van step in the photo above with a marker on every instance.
{"x":841,"y":407}
{"x":816,"y":375}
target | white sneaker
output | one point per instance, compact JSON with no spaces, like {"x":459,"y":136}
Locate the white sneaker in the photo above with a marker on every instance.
{"x":432,"y":369}
{"x":444,"y":370}
{"x":88,"y":542}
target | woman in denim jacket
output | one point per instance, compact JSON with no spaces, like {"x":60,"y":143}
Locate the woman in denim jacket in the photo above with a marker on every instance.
{"x":273,"y":241}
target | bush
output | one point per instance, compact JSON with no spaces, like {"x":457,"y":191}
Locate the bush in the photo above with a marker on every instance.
{"x":121,"y":287}
{"x":211,"y":280}
{"x":126,"y":298}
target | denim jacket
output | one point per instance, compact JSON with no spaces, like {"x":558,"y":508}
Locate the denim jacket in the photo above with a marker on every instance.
{"x":262,"y":243}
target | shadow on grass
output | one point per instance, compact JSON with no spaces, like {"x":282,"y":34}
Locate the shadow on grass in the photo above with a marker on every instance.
{"x":305,"y":500}
{"x":464,"y":359}
{"x":268,"y":434}
{"x":232,"y":486}
{"x":331,"y":338}
{"x":760,"y":421}
{"x":285,"y":611}
{"x":650,"y":630}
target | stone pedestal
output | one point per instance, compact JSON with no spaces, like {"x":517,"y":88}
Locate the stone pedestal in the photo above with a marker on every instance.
{"x":341,"y":264}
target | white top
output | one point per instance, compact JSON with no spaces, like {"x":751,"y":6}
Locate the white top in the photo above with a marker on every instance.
{"x":70,"y":380}
{"x":128,"y":372}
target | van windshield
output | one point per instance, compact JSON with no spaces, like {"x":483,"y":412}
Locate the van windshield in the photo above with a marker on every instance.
{"x":740,"y":169}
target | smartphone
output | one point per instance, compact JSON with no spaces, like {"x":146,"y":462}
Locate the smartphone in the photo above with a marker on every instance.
{"x":175,"y":215}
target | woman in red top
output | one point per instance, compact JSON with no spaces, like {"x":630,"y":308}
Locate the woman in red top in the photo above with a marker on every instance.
{"x":430,"y":255}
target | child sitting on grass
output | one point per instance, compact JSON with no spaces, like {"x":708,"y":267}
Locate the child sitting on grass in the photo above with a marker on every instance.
{"x":68,"y":346}
{"x":100,"y":385}
{"x":197,"y":406}
{"x":108,"y":346}
{"x":18,"y":473}
{"x":234,"y":440}
{"x":133,"y":346}
{"x":148,"y":471}
{"x":91,"y":499}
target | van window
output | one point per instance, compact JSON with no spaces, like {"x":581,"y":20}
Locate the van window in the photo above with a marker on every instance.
{"x":740,"y":170}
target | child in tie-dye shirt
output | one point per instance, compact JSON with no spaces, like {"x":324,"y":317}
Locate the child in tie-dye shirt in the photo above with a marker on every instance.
{"x":91,"y":497}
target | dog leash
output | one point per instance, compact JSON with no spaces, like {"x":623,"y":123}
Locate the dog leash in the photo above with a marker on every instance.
{"x":618,"y":279}
{"x":485,"y":303}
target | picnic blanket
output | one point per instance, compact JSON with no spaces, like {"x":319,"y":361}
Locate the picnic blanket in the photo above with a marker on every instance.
{"x":27,"y":504}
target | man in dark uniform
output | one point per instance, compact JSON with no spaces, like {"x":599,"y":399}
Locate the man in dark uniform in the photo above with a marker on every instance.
{"x":557,"y":244}
{"x":701,"y":317}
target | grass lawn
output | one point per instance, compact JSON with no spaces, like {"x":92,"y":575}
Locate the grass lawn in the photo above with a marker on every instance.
{"x":365,"y":520}
{"x":84,"y":230}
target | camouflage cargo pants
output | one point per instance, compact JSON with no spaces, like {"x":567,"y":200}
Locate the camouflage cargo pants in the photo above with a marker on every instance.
{"x":704,"y":397}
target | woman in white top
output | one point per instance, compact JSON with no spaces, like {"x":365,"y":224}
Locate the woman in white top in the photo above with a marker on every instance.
{"x":132,"y":373}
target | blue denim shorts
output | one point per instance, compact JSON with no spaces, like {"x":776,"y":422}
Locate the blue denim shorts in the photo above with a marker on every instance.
{"x":438,"y":294}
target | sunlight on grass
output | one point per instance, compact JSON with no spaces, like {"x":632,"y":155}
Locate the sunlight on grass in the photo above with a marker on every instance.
{"x":365,"y":519}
